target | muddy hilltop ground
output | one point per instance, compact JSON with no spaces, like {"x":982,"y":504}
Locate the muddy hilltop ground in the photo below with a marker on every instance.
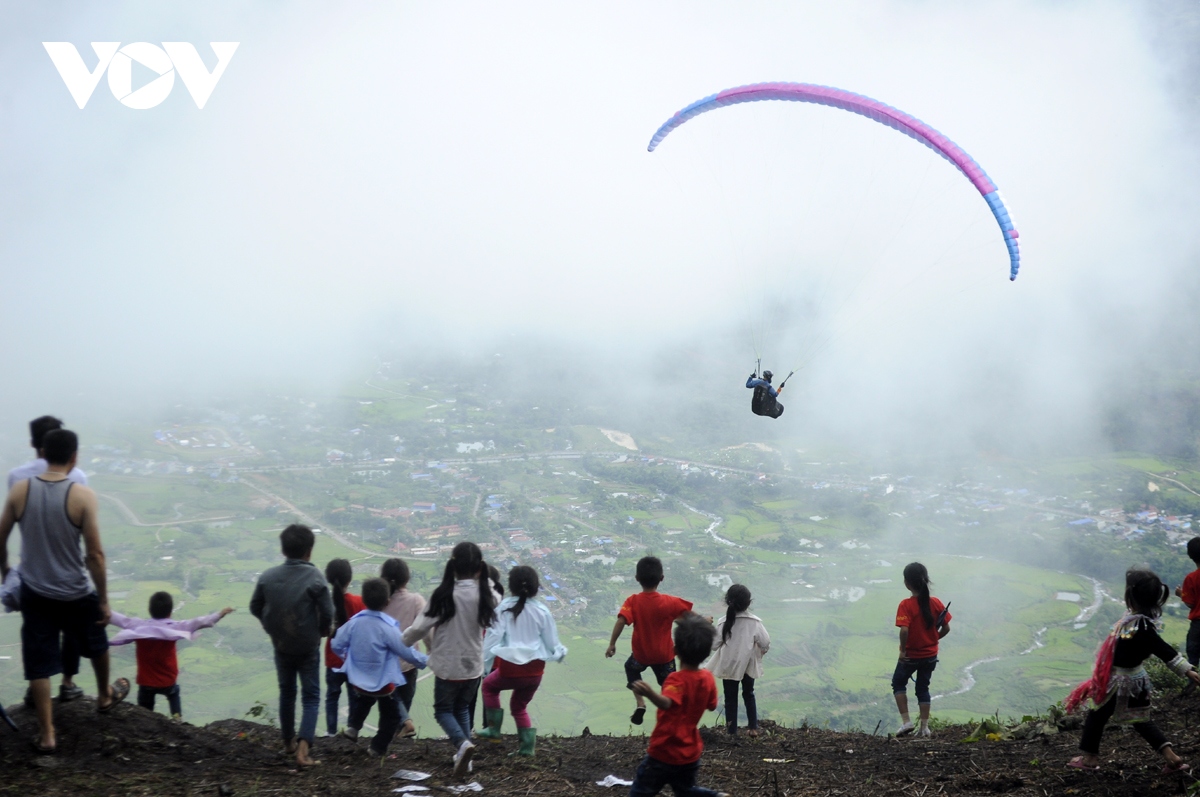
{"x":135,"y":752}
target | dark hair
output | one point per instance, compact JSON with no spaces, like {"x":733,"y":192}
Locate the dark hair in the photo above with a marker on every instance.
{"x":466,"y":561}
{"x":1193,"y":549}
{"x":737,"y":598}
{"x":59,"y":445}
{"x":494,"y":577}
{"x":296,"y":541}
{"x":916,"y":578}
{"x":339,"y":574}
{"x":649,"y":571}
{"x":38,"y":428}
{"x":396,"y":573}
{"x":523,"y":583}
{"x":375,"y":594}
{"x":693,"y":639}
{"x":1144,"y":592}
{"x":161,"y":605}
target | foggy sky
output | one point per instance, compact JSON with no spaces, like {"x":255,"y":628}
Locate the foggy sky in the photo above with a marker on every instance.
{"x":444,"y":176}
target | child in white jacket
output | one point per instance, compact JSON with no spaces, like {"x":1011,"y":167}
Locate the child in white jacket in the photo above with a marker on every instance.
{"x":523,"y":639}
{"x":738,"y":649}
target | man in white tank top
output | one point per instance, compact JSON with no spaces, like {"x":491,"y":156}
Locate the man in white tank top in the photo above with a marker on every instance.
{"x":55,"y":515}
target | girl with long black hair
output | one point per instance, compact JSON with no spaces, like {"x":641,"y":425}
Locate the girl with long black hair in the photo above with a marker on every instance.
{"x":404,"y":607}
{"x":339,"y":574}
{"x":460,"y":610}
{"x":523,"y":639}
{"x":923,"y":621}
{"x":738,"y":649}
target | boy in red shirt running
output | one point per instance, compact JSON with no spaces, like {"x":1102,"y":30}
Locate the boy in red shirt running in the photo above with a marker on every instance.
{"x":157,"y":666}
{"x":651,"y":613}
{"x":922,"y":620}
{"x":1189,"y":593}
{"x":673,"y":756}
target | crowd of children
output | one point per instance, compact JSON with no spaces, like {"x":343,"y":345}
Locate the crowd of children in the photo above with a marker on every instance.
{"x":478,"y":639}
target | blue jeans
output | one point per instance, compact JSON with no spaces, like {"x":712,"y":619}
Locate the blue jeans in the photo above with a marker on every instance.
{"x":333,"y":691}
{"x":653,"y":774}
{"x":452,"y":707}
{"x":146,"y":695}
{"x":306,"y":667}
{"x":1193,"y":643}
{"x":904,"y":670}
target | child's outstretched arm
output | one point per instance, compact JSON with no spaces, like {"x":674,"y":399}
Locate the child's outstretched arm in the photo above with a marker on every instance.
{"x":618,"y":627}
{"x":207,"y":621}
{"x":647,"y":691}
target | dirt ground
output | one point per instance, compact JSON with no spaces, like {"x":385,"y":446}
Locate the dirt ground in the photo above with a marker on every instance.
{"x":135,"y":752}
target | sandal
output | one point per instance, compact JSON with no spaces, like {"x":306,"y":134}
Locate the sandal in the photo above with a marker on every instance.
{"x":37,"y":747}
{"x":117,"y":692}
{"x":1077,"y":763}
{"x":1170,"y":769}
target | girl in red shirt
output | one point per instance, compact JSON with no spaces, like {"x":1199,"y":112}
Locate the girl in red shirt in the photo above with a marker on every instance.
{"x":339,"y":574}
{"x":922,"y":620}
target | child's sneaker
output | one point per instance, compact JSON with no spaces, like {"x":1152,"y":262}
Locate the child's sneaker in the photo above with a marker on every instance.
{"x":176,"y":718}
{"x":906,"y":729}
{"x":924,"y":732}
{"x":350,"y":733}
{"x":462,"y":759}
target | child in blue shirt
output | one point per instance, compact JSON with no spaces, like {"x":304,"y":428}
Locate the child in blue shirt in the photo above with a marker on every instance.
{"x":371,"y":646}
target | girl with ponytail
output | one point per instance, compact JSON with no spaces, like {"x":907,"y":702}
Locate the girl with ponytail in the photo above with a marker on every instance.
{"x":339,"y":574}
{"x":523,"y":639}
{"x":739,"y":646}
{"x":460,"y":610}
{"x":403,"y":607}
{"x":922,"y":620}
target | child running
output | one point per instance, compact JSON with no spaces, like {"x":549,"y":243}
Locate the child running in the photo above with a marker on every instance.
{"x":520,"y":643}
{"x":157,"y":664}
{"x":339,"y":574}
{"x":371,"y":645}
{"x":741,"y":642}
{"x":673,"y":756}
{"x":460,"y":610}
{"x":1119,"y":687}
{"x":922,"y":620}
{"x":1189,"y":593}
{"x":651,"y":614}
{"x":403,"y":607}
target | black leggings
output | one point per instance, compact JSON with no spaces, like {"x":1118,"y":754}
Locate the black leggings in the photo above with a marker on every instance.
{"x":1097,"y":718}
{"x":731,"y":703}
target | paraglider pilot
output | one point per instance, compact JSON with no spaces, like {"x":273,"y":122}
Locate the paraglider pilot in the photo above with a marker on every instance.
{"x":766,"y":398}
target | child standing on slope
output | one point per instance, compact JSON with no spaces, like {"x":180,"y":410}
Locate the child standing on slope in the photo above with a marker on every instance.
{"x":157,"y":664}
{"x":741,"y":642}
{"x":339,"y":574}
{"x":460,"y":610}
{"x":403,"y":607}
{"x":922,"y":620}
{"x":1119,"y":687}
{"x":371,"y":645}
{"x":1189,"y":593}
{"x":523,"y":639}
{"x":651,"y":614}
{"x":673,"y":756}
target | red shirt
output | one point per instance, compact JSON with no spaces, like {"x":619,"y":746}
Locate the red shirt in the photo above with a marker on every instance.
{"x":676,"y":737}
{"x":156,"y":662}
{"x":1191,"y":594}
{"x":651,"y":615}
{"x":354,"y":605}
{"x":922,"y":640}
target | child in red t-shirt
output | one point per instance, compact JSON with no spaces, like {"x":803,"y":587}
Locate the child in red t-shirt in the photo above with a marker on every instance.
{"x":157,"y":665}
{"x":339,"y":574}
{"x":673,"y":757}
{"x":1189,"y":593}
{"x":651,"y":613}
{"x":922,"y":620}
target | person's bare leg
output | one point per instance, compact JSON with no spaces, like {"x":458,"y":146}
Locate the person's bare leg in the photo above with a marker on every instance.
{"x":67,"y":681}
{"x":302,"y":757}
{"x":924,"y":709}
{"x":103,"y":687}
{"x":40,"y":690}
{"x":902,"y":706}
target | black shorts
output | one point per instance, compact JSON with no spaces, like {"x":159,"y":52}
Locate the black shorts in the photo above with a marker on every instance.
{"x":44,"y":620}
{"x":634,"y":670}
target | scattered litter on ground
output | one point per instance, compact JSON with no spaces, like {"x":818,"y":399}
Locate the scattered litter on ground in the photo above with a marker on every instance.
{"x":410,"y":774}
{"x":613,"y":780}
{"x":472,"y":786}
